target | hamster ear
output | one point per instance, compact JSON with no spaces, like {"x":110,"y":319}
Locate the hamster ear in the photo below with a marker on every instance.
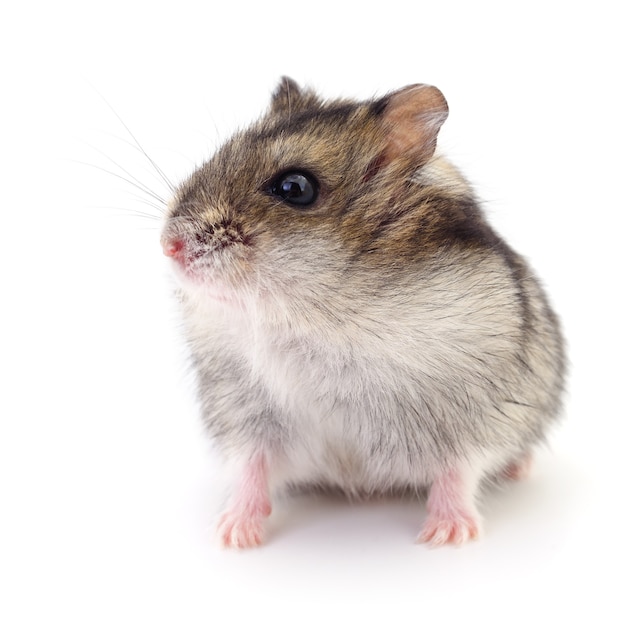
{"x":289,"y":97}
{"x":412,"y":117}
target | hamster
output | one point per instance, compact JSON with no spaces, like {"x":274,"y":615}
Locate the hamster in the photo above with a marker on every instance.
{"x":355,"y":322}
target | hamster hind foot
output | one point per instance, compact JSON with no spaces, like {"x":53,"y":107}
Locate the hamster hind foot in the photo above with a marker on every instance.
{"x":518,"y":469}
{"x":241,"y":526}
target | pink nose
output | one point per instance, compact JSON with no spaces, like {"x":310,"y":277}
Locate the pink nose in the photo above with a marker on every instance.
{"x":172,"y":247}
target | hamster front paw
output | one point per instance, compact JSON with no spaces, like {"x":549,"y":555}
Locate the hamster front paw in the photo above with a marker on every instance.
{"x":241,"y":526}
{"x":454,"y":530}
{"x":240,"y":530}
{"x":452,"y":518}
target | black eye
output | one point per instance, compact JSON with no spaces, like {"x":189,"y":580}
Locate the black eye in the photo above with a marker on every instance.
{"x":296,"y":188}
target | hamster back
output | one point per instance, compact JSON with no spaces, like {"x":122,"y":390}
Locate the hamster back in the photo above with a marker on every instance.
{"x":354,"y":320}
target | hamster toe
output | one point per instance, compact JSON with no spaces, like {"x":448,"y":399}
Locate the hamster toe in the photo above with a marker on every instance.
{"x":454,"y":530}
{"x":452,"y":517}
{"x":240,"y":531}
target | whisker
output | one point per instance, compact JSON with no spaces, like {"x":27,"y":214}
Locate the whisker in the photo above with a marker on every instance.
{"x":149,"y":204}
{"x":131,"y":180}
{"x":131,"y":212}
{"x":143,"y":185}
{"x":169,"y":186}
{"x":158,"y":170}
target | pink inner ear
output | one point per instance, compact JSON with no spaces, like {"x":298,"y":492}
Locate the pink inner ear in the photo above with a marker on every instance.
{"x":412,"y":120}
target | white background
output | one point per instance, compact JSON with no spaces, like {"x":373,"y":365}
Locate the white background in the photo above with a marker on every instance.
{"x":109,"y":488}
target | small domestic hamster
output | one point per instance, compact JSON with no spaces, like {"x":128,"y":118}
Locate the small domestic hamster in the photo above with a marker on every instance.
{"x":354,"y":321}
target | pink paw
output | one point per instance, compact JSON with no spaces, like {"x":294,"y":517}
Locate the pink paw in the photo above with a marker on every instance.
{"x":240,"y":531}
{"x":241,"y":526}
{"x":519,"y":470}
{"x":454,"y":530}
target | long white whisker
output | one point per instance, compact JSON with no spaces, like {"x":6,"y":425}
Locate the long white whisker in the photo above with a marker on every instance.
{"x":166,"y":183}
{"x":160,"y":172}
{"x":131,"y":180}
{"x":130,"y":212}
{"x":140,"y":184}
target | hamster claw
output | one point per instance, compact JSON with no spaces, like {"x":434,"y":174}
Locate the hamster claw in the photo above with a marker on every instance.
{"x":240,"y":531}
{"x":454,"y":530}
{"x":452,"y":518}
{"x":241,"y":526}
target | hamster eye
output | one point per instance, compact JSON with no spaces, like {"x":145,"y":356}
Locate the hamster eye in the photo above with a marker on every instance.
{"x":299,"y":189}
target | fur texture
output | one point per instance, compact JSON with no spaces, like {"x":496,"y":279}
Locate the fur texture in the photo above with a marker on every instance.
{"x":383,"y":337}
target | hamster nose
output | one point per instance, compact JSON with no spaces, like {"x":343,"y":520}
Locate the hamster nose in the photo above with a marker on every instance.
{"x":172,"y":247}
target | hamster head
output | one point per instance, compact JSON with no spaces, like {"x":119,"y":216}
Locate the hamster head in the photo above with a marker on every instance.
{"x":316,"y":190}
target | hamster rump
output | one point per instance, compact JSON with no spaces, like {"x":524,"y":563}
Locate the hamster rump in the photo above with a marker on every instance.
{"x":354,"y":320}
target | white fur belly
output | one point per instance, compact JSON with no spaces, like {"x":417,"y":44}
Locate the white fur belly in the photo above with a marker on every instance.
{"x":367,"y":424}
{"x":330,"y":449}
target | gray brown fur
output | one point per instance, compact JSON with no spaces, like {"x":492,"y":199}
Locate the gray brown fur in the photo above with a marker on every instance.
{"x":378,"y":338}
